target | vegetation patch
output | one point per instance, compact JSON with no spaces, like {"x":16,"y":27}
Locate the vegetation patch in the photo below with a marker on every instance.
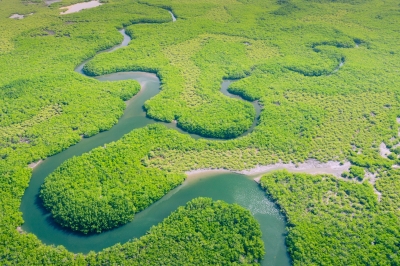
{"x":103,"y":189}
{"x":334,"y":222}
{"x":202,"y":232}
{"x":286,"y":55}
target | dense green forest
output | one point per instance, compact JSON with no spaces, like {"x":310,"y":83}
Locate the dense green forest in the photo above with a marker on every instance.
{"x":325,"y":72}
{"x":201,"y":233}
{"x":333,"y":222}
{"x":106,"y":187}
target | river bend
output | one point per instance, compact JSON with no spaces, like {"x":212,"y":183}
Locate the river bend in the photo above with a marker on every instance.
{"x":230,"y":187}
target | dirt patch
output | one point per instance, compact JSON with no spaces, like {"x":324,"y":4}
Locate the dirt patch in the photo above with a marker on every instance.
{"x":34,"y":164}
{"x":310,"y":167}
{"x":16,"y":16}
{"x":80,"y":6}
{"x":383,"y":150}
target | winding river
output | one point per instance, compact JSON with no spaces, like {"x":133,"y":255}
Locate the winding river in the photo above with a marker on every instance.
{"x":230,"y":187}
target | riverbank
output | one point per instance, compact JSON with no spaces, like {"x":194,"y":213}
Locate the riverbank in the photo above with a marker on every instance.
{"x":35,"y":164}
{"x":310,"y":166}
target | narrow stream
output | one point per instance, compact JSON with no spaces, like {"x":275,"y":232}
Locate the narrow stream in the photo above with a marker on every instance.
{"x":230,"y":187}
{"x":144,"y":77}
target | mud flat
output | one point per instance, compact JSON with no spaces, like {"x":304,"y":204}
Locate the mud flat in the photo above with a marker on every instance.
{"x":310,"y":166}
{"x":34,"y":164}
{"x":80,"y":6}
{"x":383,"y":150}
{"x":16,"y":16}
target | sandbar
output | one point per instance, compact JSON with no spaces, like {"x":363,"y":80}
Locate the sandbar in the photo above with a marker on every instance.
{"x":80,"y":6}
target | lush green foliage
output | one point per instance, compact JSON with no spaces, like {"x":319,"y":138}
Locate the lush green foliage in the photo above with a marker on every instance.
{"x":355,"y":172}
{"x":317,"y":44}
{"x":201,"y":233}
{"x":333,"y":222}
{"x":106,"y":187}
{"x":286,"y":52}
{"x":371,"y":161}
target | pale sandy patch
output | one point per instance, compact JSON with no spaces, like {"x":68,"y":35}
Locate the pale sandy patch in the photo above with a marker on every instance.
{"x":310,"y":167}
{"x":383,"y":150}
{"x":80,"y":6}
{"x":202,"y":171}
{"x":17,"y":16}
{"x":34,"y":164}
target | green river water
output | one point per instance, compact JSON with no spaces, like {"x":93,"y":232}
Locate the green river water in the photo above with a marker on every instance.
{"x":230,"y":187}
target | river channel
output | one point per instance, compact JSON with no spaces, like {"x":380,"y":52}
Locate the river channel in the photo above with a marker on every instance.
{"x":230,"y":187}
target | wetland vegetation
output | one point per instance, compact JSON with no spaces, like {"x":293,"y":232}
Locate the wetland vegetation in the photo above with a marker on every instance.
{"x":201,"y":233}
{"x":326,"y":74}
{"x":334,"y":222}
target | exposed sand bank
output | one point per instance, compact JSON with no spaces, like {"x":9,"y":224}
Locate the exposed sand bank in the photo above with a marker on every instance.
{"x":17,"y":16}
{"x":200,"y":172}
{"x":80,"y":6}
{"x":310,"y":167}
{"x":34,"y":164}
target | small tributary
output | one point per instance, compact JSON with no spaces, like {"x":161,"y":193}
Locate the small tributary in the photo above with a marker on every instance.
{"x":230,"y":187}
{"x":144,"y":78}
